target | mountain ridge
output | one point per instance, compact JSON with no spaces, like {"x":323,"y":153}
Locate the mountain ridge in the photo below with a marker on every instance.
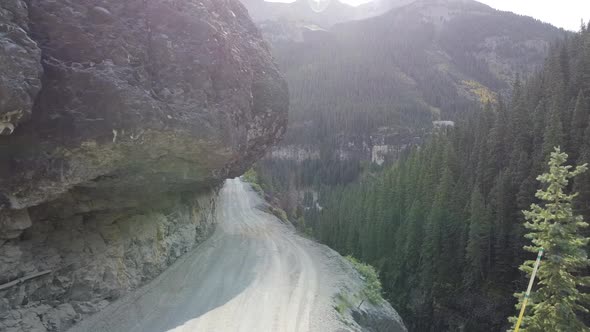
{"x":335,"y":12}
{"x":363,"y":92}
{"x":425,"y":53}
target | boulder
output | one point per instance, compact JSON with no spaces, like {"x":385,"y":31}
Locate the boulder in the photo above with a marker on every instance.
{"x":138,"y":98}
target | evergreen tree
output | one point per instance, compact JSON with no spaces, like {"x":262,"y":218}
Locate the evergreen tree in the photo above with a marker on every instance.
{"x":478,"y":242}
{"x":555,"y":228}
{"x":414,"y":235}
{"x":582,"y":182}
{"x":437,"y":220}
{"x":553,"y":134}
{"x":579,"y":123}
{"x":502,"y":205}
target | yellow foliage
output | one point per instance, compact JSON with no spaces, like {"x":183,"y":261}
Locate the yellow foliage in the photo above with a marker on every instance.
{"x":483,"y":94}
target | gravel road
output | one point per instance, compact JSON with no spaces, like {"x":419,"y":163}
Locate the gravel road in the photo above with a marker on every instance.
{"x":254,"y":274}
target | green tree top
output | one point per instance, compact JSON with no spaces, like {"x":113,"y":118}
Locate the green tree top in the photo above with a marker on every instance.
{"x":371,"y":290}
{"x":553,"y":226}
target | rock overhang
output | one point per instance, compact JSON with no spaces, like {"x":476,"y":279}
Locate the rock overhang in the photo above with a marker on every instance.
{"x":133,"y":99}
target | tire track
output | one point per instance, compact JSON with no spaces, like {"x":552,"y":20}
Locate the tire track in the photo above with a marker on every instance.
{"x":253,"y":274}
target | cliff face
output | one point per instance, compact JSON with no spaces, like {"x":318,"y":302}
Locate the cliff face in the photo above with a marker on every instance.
{"x":117,"y":118}
{"x":91,"y":259}
{"x":137,"y":97}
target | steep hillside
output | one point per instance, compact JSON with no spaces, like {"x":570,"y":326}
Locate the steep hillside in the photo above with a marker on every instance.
{"x":255,"y":273}
{"x":445,"y":224}
{"x":117,"y":122}
{"x":429,"y":60}
{"x":365,"y":90}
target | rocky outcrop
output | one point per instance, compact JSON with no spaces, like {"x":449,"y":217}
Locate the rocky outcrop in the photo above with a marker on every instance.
{"x":138,"y":98}
{"x":382,"y":318}
{"x":92,"y":259}
{"x":354,"y":309}
{"x":117,"y":121}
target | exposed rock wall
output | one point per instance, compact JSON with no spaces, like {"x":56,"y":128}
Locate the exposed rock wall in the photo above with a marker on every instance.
{"x":117,"y":121}
{"x":138,"y":98}
{"x":94,"y":258}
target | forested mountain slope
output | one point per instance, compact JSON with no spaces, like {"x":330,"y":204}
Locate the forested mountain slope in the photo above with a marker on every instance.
{"x":365,"y":90}
{"x":420,"y":62}
{"x":444,"y":224}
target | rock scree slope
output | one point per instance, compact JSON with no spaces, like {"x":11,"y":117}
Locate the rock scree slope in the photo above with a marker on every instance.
{"x":117,"y":121}
{"x":253,"y":274}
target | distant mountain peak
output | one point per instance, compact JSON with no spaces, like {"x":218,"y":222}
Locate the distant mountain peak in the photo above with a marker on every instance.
{"x":326,"y":15}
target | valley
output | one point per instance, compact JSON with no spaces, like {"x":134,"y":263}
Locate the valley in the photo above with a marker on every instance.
{"x":414,"y":142}
{"x":294,"y":165}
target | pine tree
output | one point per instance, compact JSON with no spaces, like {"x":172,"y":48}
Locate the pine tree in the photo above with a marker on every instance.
{"x":496,"y":150}
{"x":553,"y":135}
{"x":579,"y":121}
{"x":414,"y":235}
{"x":554,"y":227}
{"x":502,"y":205}
{"x":432,"y":244}
{"x":520,"y":125}
{"x":478,"y":242}
{"x":582,"y":183}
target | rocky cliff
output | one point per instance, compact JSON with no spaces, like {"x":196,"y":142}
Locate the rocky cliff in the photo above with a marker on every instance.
{"x":117,"y":120}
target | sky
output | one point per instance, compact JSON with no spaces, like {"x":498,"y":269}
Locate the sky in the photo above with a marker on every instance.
{"x":561,"y":13}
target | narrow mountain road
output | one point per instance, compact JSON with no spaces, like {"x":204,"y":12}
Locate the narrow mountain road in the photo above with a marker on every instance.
{"x":253,"y":274}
